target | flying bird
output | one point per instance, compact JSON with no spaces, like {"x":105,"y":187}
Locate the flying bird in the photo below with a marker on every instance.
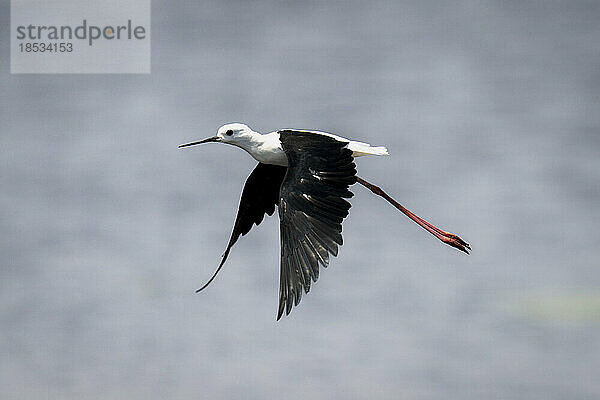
{"x":307,"y":175}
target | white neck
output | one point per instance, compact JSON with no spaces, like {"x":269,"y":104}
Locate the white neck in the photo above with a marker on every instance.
{"x":264,"y":148}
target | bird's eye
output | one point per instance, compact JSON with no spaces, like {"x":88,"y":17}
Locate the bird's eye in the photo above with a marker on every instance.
{"x":229,"y":132}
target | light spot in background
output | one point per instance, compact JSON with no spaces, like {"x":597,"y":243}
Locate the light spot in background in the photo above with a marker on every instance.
{"x":558,"y":305}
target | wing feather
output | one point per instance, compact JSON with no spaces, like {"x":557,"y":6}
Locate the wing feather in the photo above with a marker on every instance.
{"x":259,"y":197}
{"x":312,"y":207}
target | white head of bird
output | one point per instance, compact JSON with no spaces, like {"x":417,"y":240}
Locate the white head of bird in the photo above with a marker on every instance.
{"x":236,"y":134}
{"x":263,"y":148}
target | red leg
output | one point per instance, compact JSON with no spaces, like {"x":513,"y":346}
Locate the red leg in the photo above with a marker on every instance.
{"x":446,"y":237}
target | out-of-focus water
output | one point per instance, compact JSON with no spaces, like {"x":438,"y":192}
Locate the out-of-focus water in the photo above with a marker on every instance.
{"x":491,"y":113}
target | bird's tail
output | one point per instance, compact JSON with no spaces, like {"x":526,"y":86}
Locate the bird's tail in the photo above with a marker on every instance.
{"x":364,"y":149}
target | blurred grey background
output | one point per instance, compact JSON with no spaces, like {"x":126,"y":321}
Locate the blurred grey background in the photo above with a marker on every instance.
{"x":490,"y":111}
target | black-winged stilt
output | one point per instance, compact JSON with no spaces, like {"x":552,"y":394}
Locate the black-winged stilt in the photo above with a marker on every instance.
{"x":307,"y":175}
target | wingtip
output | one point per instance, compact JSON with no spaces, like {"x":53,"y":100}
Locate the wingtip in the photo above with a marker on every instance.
{"x":201,"y":289}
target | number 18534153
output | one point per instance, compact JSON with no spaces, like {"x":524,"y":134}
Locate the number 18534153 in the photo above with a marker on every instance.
{"x":41,"y":47}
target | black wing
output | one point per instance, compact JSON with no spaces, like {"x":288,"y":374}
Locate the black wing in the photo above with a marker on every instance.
{"x":311,"y":209}
{"x":260,"y":195}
